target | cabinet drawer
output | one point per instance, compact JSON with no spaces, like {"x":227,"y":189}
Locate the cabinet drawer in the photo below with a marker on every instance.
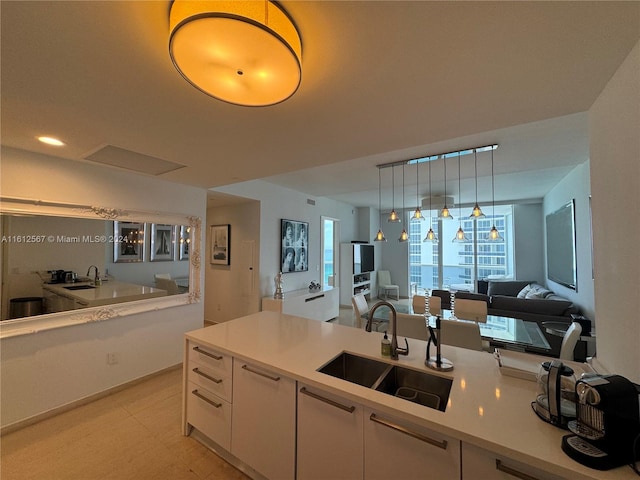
{"x":210,"y":414}
{"x":480,"y":464}
{"x":210,"y":379}
{"x":413,"y":448}
{"x":211,"y":359}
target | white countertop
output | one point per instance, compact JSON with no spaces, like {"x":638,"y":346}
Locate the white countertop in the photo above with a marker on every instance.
{"x":107,"y":293}
{"x":485,"y":408}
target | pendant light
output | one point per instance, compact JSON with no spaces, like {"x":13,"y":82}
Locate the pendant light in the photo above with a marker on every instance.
{"x":380,"y":235}
{"x":417,"y":215}
{"x":393,"y":216}
{"x":494,"y":234}
{"x":460,"y":237}
{"x":431,"y":235}
{"x":404,"y":236}
{"x":477,"y":211}
{"x":445,"y":214}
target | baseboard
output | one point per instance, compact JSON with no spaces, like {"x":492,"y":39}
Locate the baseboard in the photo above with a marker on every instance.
{"x":83,"y":401}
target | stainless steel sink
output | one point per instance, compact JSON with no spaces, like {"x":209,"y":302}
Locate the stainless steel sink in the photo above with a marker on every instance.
{"x":80,"y":287}
{"x":416,"y":386}
{"x":413,"y":385}
{"x":355,"y":369}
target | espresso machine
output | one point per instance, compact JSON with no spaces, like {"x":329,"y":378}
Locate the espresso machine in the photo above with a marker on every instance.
{"x":606,"y":431}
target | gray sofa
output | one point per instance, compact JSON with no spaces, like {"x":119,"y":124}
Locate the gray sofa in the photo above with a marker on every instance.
{"x":541,"y":306}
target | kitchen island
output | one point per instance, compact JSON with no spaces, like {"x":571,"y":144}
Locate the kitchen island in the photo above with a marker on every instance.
{"x":69,"y":296}
{"x":487,"y":429}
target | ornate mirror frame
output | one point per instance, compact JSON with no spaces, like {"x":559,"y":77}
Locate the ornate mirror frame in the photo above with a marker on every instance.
{"x":34,"y":324}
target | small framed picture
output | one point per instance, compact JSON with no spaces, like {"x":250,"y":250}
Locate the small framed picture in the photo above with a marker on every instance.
{"x":163,"y":240}
{"x":184,"y":242}
{"x":128,"y":241}
{"x":220,"y":244}
{"x":295,"y":237}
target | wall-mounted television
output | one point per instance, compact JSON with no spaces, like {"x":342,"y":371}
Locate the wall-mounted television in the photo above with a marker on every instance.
{"x":561,"y":246}
{"x":362,"y":258}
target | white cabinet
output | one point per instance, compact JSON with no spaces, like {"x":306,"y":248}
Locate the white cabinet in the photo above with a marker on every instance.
{"x":480,"y":464}
{"x":208,"y":393}
{"x":350,"y":283}
{"x":394,"y":448}
{"x":321,"y":305}
{"x":330,"y":443}
{"x":263,"y":432}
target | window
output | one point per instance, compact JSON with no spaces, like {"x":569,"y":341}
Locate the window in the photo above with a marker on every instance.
{"x":448,"y":264}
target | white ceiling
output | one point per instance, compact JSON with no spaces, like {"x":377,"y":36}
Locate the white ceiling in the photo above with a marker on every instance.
{"x":382,"y":81}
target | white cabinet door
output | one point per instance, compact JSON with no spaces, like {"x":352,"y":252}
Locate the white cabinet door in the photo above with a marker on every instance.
{"x":480,"y":464}
{"x":330,"y":444}
{"x":394,"y":448}
{"x":263,"y":428}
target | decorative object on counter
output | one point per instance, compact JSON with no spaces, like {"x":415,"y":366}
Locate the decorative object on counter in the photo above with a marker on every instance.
{"x":221,"y":244}
{"x":129,"y":241}
{"x":315,"y":287}
{"x":295,"y":243}
{"x":163,"y":239}
{"x":438,"y":362}
{"x":279,"y":294}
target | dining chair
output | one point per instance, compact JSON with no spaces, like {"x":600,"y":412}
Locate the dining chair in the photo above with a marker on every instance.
{"x":417,"y":303}
{"x":569,"y":341}
{"x":412,"y":326}
{"x":385,"y":285}
{"x":460,"y":333}
{"x":435,"y":305}
{"x":360,"y":308}
{"x":474,"y":310}
{"x":167,"y":284}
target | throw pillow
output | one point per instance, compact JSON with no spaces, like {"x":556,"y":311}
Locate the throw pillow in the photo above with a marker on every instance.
{"x":523,"y":293}
{"x":538,"y":291}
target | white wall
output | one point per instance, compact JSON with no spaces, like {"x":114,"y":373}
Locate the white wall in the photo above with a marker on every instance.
{"x":233,"y":291}
{"x":575,"y":186}
{"x":614,"y":123}
{"x":49,"y":369}
{"x":277,"y":203}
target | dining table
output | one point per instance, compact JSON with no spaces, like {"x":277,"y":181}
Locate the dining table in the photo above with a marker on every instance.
{"x":499,"y":331}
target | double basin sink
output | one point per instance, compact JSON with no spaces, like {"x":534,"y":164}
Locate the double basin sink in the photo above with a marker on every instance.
{"x":413,"y":385}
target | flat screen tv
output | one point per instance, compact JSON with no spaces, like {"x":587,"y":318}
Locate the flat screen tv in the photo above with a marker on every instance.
{"x":362,"y":258}
{"x":561,"y":246}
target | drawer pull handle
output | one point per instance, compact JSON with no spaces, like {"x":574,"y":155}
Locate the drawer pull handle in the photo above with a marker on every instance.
{"x":513,"y":472}
{"x":208,"y":377}
{"x":265,"y":375}
{"x":209,"y":401}
{"x":440,"y":444}
{"x":326,"y":400}
{"x":204,"y":352}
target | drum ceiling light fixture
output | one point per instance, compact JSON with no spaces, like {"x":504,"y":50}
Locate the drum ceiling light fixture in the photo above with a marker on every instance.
{"x":241,"y":52}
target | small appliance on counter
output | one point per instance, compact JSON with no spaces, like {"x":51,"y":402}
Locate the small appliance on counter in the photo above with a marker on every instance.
{"x":606,"y":431}
{"x":555,"y":399}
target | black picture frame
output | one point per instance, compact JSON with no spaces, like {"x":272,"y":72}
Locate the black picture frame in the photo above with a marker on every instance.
{"x":294,"y":251}
{"x":221,"y":244}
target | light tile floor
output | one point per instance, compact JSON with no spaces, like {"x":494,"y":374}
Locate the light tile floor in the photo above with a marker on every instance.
{"x":132,"y":434}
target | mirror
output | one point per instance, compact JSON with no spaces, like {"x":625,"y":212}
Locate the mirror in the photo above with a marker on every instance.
{"x":66,"y":264}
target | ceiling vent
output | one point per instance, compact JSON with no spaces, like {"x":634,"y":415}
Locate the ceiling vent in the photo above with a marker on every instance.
{"x":137,"y":162}
{"x":310,"y":202}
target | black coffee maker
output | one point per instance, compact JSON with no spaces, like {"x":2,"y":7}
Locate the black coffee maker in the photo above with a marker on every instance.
{"x":606,"y":431}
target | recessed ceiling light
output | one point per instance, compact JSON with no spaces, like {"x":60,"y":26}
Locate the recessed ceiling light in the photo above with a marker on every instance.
{"x":51,"y":141}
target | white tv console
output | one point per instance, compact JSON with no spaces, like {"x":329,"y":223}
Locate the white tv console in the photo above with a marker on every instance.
{"x":322,"y":305}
